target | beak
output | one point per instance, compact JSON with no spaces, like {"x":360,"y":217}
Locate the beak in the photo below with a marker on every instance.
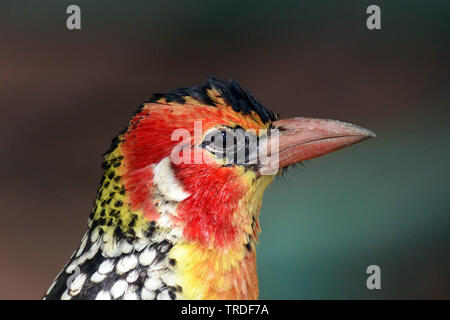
{"x":301,"y":139}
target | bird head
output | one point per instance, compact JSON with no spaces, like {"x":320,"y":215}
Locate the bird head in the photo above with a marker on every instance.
{"x":183,"y":164}
{"x":176,"y":215}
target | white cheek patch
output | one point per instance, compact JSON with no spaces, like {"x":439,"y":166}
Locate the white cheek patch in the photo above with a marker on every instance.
{"x":166,"y":182}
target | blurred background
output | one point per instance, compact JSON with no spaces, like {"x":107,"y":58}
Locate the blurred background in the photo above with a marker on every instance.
{"x":65,"y":94}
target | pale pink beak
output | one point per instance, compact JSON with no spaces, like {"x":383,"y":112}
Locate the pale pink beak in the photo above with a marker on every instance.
{"x":302,"y":139}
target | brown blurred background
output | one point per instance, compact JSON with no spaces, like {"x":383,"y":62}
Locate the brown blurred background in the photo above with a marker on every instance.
{"x":64,"y":95}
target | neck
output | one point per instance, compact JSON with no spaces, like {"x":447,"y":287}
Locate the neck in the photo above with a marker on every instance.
{"x":224,"y":267}
{"x":111,"y":216}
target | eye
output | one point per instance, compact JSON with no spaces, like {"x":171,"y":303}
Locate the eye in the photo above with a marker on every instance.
{"x":233,"y":145}
{"x":220,"y":140}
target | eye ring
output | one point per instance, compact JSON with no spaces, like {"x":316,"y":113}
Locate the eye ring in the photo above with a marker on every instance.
{"x":219,"y":140}
{"x":232,"y":145}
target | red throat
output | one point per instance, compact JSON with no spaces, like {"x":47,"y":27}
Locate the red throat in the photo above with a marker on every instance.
{"x":208,"y":213}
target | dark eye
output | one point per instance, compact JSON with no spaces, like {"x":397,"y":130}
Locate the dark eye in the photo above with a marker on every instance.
{"x":220,"y":140}
{"x":234,"y":145}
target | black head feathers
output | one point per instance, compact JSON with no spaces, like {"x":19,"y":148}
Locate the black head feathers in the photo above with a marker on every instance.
{"x":239,"y":99}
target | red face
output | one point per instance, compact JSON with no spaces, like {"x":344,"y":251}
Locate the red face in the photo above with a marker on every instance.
{"x":214,"y":188}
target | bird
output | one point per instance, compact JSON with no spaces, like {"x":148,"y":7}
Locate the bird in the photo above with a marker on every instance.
{"x":177,"y":212}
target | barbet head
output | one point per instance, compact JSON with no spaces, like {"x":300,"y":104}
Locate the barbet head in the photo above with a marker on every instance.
{"x":182,"y":190}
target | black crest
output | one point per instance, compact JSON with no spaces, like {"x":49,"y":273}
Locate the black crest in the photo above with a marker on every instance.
{"x":239,"y":99}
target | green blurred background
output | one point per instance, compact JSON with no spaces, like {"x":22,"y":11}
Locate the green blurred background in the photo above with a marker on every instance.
{"x":65,"y":94}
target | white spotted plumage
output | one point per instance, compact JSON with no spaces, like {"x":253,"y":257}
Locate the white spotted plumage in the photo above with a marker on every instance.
{"x":103,"y":295}
{"x":118,"y":288}
{"x":77,"y":284}
{"x":106,"y":266}
{"x":117,"y":277}
{"x":126,"y":263}
{"x":115,"y":265}
{"x":132,"y":276}
{"x":147,"y":256}
{"x":98,"y":277}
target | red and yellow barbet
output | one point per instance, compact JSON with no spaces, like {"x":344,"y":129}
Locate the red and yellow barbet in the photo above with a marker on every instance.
{"x":165,"y":230}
